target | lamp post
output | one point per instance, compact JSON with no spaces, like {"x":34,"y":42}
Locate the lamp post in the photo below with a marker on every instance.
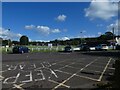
{"x":81,"y":37}
{"x":113,"y":37}
{"x":8,"y":39}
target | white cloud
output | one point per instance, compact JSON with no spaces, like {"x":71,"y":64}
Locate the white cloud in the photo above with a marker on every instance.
{"x":41,"y":40}
{"x":116,"y":26}
{"x":56,"y":31}
{"x":99,"y":33}
{"x":61,"y":17}
{"x":84,"y":31}
{"x":29,"y":27}
{"x":64,"y":38}
{"x":7,"y":34}
{"x":103,"y":9}
{"x":45,"y":30}
{"x":89,"y":36}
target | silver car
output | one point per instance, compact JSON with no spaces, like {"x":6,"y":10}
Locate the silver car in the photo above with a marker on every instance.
{"x":102,"y":47}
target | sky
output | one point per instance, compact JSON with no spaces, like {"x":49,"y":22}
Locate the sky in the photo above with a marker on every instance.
{"x":45,"y":21}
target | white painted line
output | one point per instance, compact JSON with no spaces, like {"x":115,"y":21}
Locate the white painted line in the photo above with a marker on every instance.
{"x":18,"y":86}
{"x":34,"y":65}
{"x":13,"y":77}
{"x":73,"y":67}
{"x":58,"y":83}
{"x":3,"y":71}
{"x":21,"y":66}
{"x":1,"y":77}
{"x":86,"y":77}
{"x":28,"y":75}
{"x":41,"y":73}
{"x":66,"y":65}
{"x":58,"y":62}
{"x":100,"y":78}
{"x":73,"y":75}
{"x":12,"y":67}
{"x":49,"y":64}
{"x":52,"y":72}
{"x":78,"y":75}
{"x":54,"y":63}
{"x":112,"y":68}
{"x":42,"y":65}
{"x":63,"y":72}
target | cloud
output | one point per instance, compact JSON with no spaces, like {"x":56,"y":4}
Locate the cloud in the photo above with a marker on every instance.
{"x":89,"y":36}
{"x":45,"y":30}
{"x":103,"y":9}
{"x":7,"y":34}
{"x":61,"y":17}
{"x":116,"y":26}
{"x":56,"y":31}
{"x":64,"y":38}
{"x":99,"y":33}
{"x":29,"y":27}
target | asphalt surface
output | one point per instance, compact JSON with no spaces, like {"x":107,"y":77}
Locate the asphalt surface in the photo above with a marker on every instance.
{"x":54,"y":70}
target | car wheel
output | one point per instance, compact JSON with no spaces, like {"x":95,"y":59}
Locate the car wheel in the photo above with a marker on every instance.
{"x":22,"y":52}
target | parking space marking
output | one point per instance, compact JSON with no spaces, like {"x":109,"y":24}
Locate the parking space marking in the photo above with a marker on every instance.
{"x":66,"y":65}
{"x":98,"y":66}
{"x":111,"y":68}
{"x":100,"y":78}
{"x":3,"y":71}
{"x":58,"y":83}
{"x":18,"y":86}
{"x":78,"y":75}
{"x":74,"y":74}
{"x":13,"y":77}
{"x":1,"y":77}
{"x":30,"y":78}
{"x":58,"y":62}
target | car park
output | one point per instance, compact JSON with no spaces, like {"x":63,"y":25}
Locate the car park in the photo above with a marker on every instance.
{"x":102,"y":47}
{"x":20,"y":49}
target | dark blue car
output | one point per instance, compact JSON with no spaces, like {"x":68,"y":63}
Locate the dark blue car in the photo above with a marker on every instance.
{"x":20,"y":49}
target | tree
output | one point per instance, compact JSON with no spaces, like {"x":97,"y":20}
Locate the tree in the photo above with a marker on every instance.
{"x":107,"y":36}
{"x":24,"y":40}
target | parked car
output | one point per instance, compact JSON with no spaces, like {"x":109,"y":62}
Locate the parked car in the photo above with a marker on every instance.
{"x":117,"y":47}
{"x":78,"y":48}
{"x":85,"y":47}
{"x":68,"y":49}
{"x":82,"y":47}
{"x":20,"y":49}
{"x":101,"y":47}
{"x":92,"y":48}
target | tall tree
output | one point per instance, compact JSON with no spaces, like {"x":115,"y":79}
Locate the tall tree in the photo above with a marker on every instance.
{"x":24,"y":40}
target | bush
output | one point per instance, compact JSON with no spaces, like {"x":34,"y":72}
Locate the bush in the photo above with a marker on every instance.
{"x":118,"y":47}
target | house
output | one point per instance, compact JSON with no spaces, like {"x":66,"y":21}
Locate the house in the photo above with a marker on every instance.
{"x":117,"y":40}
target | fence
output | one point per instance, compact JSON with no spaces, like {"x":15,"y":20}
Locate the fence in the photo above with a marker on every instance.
{"x":35,"y":49}
{"x":46,"y":49}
